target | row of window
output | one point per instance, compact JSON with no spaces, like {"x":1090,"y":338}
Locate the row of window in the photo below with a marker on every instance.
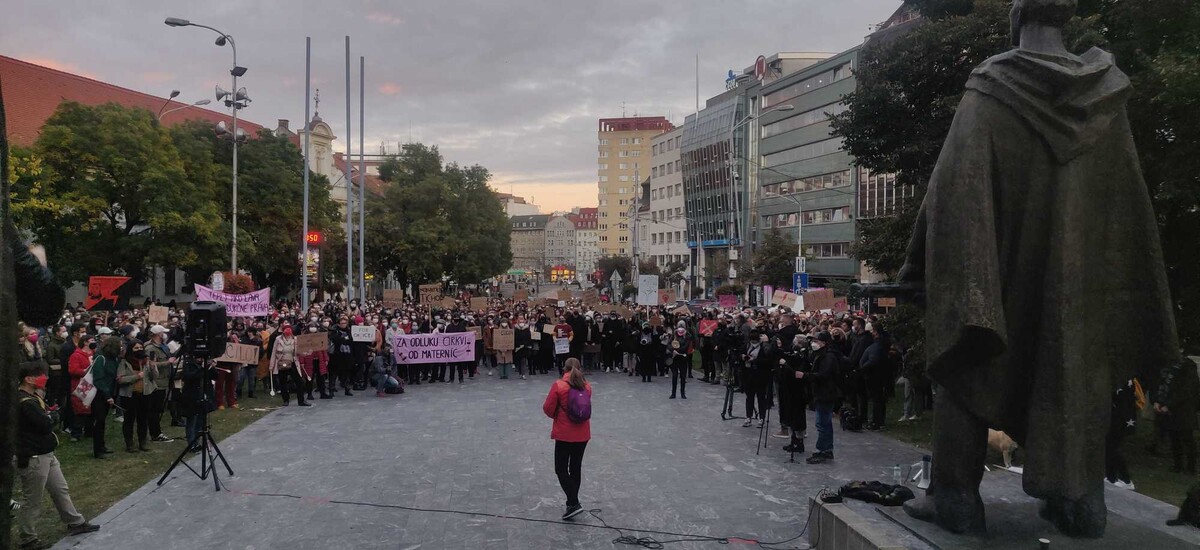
{"x":669,"y":145}
{"x":666,"y":237}
{"x":624,"y":141}
{"x":801,"y":120}
{"x":804,"y":152}
{"x":666,"y":192}
{"x":827,"y":250}
{"x":668,"y":168}
{"x":807,"y":85}
{"x":810,"y":217}
{"x":814,"y":183}
{"x":878,"y":194}
{"x":666,"y":214}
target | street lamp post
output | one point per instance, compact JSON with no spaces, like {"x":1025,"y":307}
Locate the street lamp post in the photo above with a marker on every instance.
{"x":200,"y":103}
{"x":237,"y":100}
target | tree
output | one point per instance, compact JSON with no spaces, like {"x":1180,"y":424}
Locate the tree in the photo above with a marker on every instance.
{"x":773,"y":261}
{"x":620,"y":264}
{"x":672,"y":274}
{"x":436,"y":220}
{"x":112,"y":196}
{"x":717,"y":269}
{"x":649,"y":267}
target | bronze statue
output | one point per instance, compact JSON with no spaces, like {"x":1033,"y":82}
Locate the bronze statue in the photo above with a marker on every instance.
{"x":1035,"y":241}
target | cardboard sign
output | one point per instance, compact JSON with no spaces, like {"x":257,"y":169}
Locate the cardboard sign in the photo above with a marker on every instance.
{"x":393,"y":298}
{"x":521,"y":295}
{"x":794,"y":302}
{"x":708,"y":327}
{"x":239,"y":353}
{"x":682,"y":310}
{"x":312,"y":342}
{"x":564,"y":295}
{"x":655,"y":321}
{"x":562,"y":303}
{"x":562,"y":346}
{"x":647,"y":290}
{"x":478,"y":332}
{"x":362,"y":333}
{"x":534,"y":335}
{"x":590,"y":296}
{"x":727,"y":301}
{"x":430,"y":293}
{"x":159,"y":314}
{"x":666,"y":297}
{"x":817,"y":300}
{"x":504,"y":339}
{"x":449,"y":303}
{"x":548,"y":328}
{"x":413,"y":349}
{"x":479,"y":304}
{"x":886,"y":302}
{"x":552,"y":302}
{"x":624,"y":312}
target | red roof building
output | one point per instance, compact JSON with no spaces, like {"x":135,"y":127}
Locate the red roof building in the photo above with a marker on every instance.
{"x":33,"y":92}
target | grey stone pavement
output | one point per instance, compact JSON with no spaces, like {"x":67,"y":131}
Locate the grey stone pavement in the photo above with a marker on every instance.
{"x":652,"y":464}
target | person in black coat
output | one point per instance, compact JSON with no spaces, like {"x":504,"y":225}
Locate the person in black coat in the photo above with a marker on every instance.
{"x":854,"y":383}
{"x":522,"y":347}
{"x":612,"y":335}
{"x":629,"y":345}
{"x":760,"y":359}
{"x":647,"y":346}
{"x":545,"y":354}
{"x":341,"y":361}
{"x":793,"y":392}
{"x":877,"y":374}
{"x":731,"y":344}
{"x":822,"y":381}
{"x":1177,"y":397}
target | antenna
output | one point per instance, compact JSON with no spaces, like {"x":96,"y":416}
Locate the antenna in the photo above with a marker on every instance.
{"x":622,"y":109}
{"x":697,"y":83}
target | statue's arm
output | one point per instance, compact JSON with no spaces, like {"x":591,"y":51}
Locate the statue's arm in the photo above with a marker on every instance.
{"x":40,"y":299}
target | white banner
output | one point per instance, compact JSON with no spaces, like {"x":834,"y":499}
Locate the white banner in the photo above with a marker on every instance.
{"x":362,"y":333}
{"x":647,"y":290}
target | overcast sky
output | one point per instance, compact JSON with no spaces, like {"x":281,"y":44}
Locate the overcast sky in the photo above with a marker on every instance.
{"x":514,"y":85}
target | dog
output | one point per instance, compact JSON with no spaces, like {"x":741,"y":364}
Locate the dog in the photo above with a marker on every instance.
{"x":1001,"y":443}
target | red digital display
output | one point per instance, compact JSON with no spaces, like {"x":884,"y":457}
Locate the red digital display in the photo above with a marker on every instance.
{"x":313,"y":237}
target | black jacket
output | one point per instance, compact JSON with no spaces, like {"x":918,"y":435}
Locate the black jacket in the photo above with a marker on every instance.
{"x":822,"y":379}
{"x":35,"y":427}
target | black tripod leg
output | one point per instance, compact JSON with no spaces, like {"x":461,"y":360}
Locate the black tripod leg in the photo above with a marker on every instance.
{"x":220,"y":455}
{"x":178,"y":461}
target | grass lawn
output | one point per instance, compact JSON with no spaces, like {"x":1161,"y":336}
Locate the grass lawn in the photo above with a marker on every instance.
{"x":1152,"y":475}
{"x":96,"y":485}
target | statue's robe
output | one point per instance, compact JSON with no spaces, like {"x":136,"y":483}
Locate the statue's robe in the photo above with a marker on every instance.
{"x":1040,"y":254}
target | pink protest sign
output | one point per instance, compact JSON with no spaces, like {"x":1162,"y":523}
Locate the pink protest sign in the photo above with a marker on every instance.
{"x":727,"y":300}
{"x":254,"y":304}
{"x":412,"y":349}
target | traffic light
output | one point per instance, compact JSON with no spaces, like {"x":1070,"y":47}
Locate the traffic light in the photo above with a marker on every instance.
{"x":313,"y":237}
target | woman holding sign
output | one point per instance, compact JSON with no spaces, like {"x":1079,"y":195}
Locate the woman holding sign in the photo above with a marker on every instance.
{"x":283,"y":364}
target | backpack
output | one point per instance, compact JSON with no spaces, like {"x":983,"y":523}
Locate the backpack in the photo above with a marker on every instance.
{"x":850,"y":420}
{"x":579,"y":405}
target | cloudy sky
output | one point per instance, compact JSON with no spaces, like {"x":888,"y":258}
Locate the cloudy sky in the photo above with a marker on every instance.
{"x":514,"y":85}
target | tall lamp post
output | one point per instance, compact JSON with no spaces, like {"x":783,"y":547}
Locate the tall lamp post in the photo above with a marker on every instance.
{"x":235,"y":99}
{"x":200,"y":103}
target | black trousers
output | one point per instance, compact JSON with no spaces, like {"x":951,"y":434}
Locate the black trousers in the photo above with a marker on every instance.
{"x":872,"y":402}
{"x":286,"y":378}
{"x":679,"y":370}
{"x":99,"y":420}
{"x":137,"y":409}
{"x":157,"y":404}
{"x":707,"y":365}
{"x":1183,"y":447}
{"x":755,"y":385}
{"x":568,"y":459}
{"x":1116,"y":469}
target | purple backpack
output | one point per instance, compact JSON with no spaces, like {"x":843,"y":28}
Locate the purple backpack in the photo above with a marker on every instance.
{"x":579,"y":405}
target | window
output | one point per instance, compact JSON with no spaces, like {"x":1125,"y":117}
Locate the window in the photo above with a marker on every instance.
{"x":678,"y":239}
{"x":637,"y":141}
{"x":623,"y":166}
{"x":801,"y":120}
{"x":878,"y":194}
{"x":624,"y":141}
{"x":623,"y":154}
{"x":603,"y":238}
{"x":814,"y":183}
{"x":679,"y":189}
{"x":804,"y":152}
{"x":654,"y":172}
{"x":678,"y":211}
{"x":805,"y":86}
{"x":622,"y":190}
{"x":635,"y":153}
{"x":623,"y":178}
{"x":603,"y":154}
{"x":679,"y":166}
{"x":669,"y":191}
{"x":604,"y":179}
{"x":604,"y":166}
{"x":604,"y":142}
{"x":623,"y":239}
{"x":828,"y":250}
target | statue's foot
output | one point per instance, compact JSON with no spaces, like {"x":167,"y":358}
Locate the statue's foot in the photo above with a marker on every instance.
{"x":954,"y":512}
{"x":1085,"y":518}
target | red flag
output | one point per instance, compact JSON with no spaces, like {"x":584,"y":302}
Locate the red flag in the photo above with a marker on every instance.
{"x":110,"y":292}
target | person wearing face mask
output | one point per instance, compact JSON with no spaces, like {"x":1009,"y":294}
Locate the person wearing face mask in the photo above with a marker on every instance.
{"x":37,"y":468}
{"x":545,"y":353}
{"x":66,"y":352}
{"x":104,"y":377}
{"x":164,"y":366}
{"x":760,"y":360}
{"x":285,"y":365}
{"x":136,"y":380}
{"x":677,"y":358}
{"x":504,"y":358}
{"x":822,"y":382}
{"x":793,"y":399}
{"x":342,"y":359}
{"x":316,"y":366}
{"x":612,"y":335}
{"x":647,"y":346}
{"x":523,"y":347}
{"x":77,"y":367}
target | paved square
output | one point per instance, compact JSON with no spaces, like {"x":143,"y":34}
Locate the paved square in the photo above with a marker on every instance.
{"x":653,"y":463}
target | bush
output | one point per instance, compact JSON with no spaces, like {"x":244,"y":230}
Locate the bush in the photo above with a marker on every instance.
{"x":736,"y":290}
{"x":237,"y":283}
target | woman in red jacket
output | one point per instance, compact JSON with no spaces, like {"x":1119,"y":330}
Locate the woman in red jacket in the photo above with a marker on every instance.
{"x":77,"y":367}
{"x":570,"y":437}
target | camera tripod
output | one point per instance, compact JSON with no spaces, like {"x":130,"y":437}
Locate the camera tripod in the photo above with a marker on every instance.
{"x":209,"y":452}
{"x":727,"y":406}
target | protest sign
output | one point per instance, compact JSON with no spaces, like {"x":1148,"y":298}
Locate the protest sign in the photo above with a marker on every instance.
{"x":564,"y":295}
{"x":647,"y":290}
{"x":624,"y":312}
{"x":109,"y":293}
{"x":562,"y":303}
{"x":534,"y":335}
{"x":504,"y":339}
{"x":562,"y":346}
{"x":449,"y":303}
{"x":239,"y":353}
{"x":885,"y":302}
{"x":253,"y":304}
{"x":312,"y":342}
{"x":548,"y":328}
{"x":393,"y":298}
{"x":666,"y":297}
{"x":818,"y":300}
{"x":158,"y":314}
{"x":590,"y":296}
{"x":362,"y":333}
{"x":552,"y":302}
{"x":681,"y":310}
{"x":655,"y":321}
{"x":794,"y":302}
{"x":521,"y":295}
{"x":479,"y":304}
{"x":413,"y":349}
{"x":708,"y":327}
{"x":478,"y":332}
{"x":727,"y":301}
{"x":430,"y":293}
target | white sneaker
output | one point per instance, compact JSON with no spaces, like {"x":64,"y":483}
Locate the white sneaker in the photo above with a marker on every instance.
{"x":523,"y":377}
{"x":1122,"y":485}
{"x":489,"y":373}
{"x":902,"y":419}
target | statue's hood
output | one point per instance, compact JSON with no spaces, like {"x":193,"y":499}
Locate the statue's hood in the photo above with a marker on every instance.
{"x":1069,"y":101}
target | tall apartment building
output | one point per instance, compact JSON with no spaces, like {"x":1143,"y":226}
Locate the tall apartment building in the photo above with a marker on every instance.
{"x":560,"y":242}
{"x":664,"y":238}
{"x":623,"y":162}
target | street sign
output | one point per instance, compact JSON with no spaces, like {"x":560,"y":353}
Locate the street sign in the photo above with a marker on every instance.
{"x":218,"y":281}
{"x":799,"y":281}
{"x":616,"y":277}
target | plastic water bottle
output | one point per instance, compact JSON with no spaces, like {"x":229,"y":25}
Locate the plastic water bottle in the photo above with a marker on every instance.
{"x":897,"y":478}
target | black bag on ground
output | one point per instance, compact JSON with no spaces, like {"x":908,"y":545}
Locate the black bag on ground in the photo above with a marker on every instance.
{"x":877,"y":493}
{"x":850,"y":420}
